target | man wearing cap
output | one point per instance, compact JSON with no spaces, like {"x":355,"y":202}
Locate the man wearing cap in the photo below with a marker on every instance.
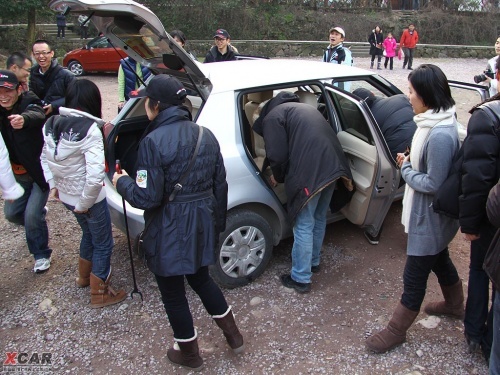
{"x":336,"y":53}
{"x":20,"y":64}
{"x":21,"y":121}
{"x":181,"y":186}
{"x":223,"y":50}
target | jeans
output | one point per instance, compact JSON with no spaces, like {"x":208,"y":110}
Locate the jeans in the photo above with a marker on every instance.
{"x":416,"y":274}
{"x":173,"y":295}
{"x":478,"y":320}
{"x":29,"y":210}
{"x":308,"y":234}
{"x":495,"y":349}
{"x":96,"y":244}
{"x":408,"y":52}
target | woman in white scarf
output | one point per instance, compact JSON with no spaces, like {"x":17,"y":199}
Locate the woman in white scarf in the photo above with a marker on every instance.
{"x":424,"y":168}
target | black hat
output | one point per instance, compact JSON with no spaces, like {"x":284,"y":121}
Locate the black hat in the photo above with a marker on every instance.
{"x":8,"y":79}
{"x":162,"y":88}
{"x":221,"y":33}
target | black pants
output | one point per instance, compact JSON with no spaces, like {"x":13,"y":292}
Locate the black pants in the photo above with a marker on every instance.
{"x":387,"y":59}
{"x":61,"y":30}
{"x":173,"y":295}
{"x":416,"y":274}
{"x":379,"y":58}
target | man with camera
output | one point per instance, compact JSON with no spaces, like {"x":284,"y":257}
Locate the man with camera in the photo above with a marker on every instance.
{"x":490,"y":75}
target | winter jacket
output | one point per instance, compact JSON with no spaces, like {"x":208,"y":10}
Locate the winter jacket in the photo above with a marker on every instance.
{"x":51,"y":86}
{"x":179,"y":236}
{"x":127,"y":79}
{"x":390,"y":45}
{"x":480,"y":168}
{"x":303,"y":151}
{"x":60,"y":20}
{"x":492,"y":65}
{"x":73,"y":160}
{"x":215,"y":56}
{"x":9,"y":187}
{"x":492,"y":261}
{"x":338,"y":55}
{"x":25,"y":145}
{"x":409,"y":40}
{"x":429,"y":233}
{"x":376,"y":39}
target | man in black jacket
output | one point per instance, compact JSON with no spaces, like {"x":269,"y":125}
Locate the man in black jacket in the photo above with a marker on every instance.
{"x":304,"y":153}
{"x":21,"y":120}
{"x":48,"y":79}
{"x":223,"y":50}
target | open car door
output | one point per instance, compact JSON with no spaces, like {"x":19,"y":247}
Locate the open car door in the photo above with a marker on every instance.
{"x":140,"y":34}
{"x":376,"y":177}
{"x":466,"y":96}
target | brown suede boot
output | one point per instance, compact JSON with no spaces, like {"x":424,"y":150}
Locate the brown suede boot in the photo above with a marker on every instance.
{"x":228,"y":325}
{"x":186,"y":353}
{"x":101,"y":293}
{"x":453,"y":304}
{"x":84,"y":268}
{"x":395,"y":333}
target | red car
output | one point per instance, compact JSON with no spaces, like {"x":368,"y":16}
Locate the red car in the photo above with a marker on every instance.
{"x":97,"y":56}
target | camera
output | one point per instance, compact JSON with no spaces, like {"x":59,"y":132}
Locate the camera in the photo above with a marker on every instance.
{"x":482,"y":77}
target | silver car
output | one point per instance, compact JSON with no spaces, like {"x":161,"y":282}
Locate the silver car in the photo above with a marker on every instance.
{"x":223,"y":97}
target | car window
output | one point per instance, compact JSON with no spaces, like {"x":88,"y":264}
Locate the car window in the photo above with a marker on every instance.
{"x":100,"y":43}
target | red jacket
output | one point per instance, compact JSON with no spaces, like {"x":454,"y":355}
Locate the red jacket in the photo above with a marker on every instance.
{"x":409,"y":40}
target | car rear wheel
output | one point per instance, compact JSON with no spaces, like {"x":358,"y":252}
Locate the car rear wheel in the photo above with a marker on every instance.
{"x":245,"y":248}
{"x":76,"y":68}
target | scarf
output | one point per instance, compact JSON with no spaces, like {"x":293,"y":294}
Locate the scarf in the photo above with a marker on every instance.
{"x":425,"y":123}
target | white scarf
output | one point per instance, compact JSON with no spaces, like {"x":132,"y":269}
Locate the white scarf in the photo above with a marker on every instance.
{"x":425,"y":123}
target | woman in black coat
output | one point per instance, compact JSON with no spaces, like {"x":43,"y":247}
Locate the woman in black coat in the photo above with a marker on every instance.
{"x":181,"y":231}
{"x":376,"y":38}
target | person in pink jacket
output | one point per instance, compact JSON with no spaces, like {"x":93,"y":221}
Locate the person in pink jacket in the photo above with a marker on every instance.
{"x":390,"y":50}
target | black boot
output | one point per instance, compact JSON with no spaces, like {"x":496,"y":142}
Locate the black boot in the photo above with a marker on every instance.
{"x":186,"y":353}
{"x":228,"y":325}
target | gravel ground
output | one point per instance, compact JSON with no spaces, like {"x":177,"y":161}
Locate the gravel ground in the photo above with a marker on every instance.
{"x":320,"y":333}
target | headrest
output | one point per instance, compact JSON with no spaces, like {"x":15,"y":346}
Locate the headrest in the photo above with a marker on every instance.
{"x":260,"y":97}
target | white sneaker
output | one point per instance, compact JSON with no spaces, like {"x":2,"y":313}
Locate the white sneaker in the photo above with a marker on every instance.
{"x":41,"y":265}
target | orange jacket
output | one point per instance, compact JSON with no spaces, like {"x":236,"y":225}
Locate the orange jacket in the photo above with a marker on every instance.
{"x":408,"y":40}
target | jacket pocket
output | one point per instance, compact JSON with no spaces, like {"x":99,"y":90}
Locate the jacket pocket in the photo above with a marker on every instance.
{"x":149,"y":240}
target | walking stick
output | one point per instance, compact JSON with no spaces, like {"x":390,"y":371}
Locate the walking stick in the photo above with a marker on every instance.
{"x":136,"y":290}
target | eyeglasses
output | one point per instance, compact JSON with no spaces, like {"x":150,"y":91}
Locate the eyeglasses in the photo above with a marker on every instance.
{"x":23,"y":68}
{"x":42,"y":53}
{"x":220,"y":39}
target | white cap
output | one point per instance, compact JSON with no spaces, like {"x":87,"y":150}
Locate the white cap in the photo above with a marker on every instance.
{"x":339,"y":30}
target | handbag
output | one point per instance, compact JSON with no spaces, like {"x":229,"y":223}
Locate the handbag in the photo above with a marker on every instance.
{"x":400,"y":54}
{"x":384,"y":53}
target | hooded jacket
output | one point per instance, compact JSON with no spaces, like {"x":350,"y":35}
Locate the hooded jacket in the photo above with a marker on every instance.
{"x":73,"y":160}
{"x":180,"y":236}
{"x":8,"y":185}
{"x":215,"y":56}
{"x":303,"y":151}
{"x":51,"y":86}
{"x":25,"y":145}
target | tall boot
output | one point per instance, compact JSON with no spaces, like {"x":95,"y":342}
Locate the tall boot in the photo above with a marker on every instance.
{"x":379,"y":66}
{"x":453,"y":304}
{"x":84,"y":268}
{"x":395,"y":333}
{"x":228,"y":325}
{"x":371,"y":65}
{"x":185,"y":352}
{"x":101,"y":293}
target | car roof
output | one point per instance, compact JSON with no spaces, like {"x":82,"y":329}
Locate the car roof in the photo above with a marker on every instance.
{"x":243,"y":74}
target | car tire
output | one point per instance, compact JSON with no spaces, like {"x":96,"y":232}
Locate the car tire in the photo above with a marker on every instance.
{"x":244,"y":250}
{"x":76,"y":68}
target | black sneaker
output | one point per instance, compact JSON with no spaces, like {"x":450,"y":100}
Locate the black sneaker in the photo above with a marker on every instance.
{"x":316,"y":269}
{"x":374,"y":240}
{"x":288,"y":282}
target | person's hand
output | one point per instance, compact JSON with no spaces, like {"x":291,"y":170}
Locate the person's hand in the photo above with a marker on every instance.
{"x":401,"y":158}
{"x":272,"y":181}
{"x":54,"y":194}
{"x":117,"y":176}
{"x":16,"y":121}
{"x":80,"y":212}
{"x":121,"y":104}
{"x":471,"y":237}
{"x":48,"y":109}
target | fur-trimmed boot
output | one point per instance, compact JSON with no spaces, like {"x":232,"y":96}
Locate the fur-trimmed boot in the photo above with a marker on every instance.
{"x":379,"y":66}
{"x":371,"y":65}
{"x":84,"y":268}
{"x":185,"y":352}
{"x":453,"y":304}
{"x":228,"y":325}
{"x":395,"y":333}
{"x":101,"y":293}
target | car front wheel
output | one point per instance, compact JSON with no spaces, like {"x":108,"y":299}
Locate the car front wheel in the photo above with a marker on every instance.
{"x":245,"y":248}
{"x":76,"y":68}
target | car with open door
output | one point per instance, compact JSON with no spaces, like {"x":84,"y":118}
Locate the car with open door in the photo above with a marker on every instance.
{"x":223,"y":97}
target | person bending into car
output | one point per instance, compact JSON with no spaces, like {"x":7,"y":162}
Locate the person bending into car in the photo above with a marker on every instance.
{"x":73,"y":165}
{"x":182,"y":230}
{"x":426,"y":167}
{"x":303,"y":152}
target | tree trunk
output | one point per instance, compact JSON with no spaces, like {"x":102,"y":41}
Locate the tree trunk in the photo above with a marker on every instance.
{"x":31,"y":30}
